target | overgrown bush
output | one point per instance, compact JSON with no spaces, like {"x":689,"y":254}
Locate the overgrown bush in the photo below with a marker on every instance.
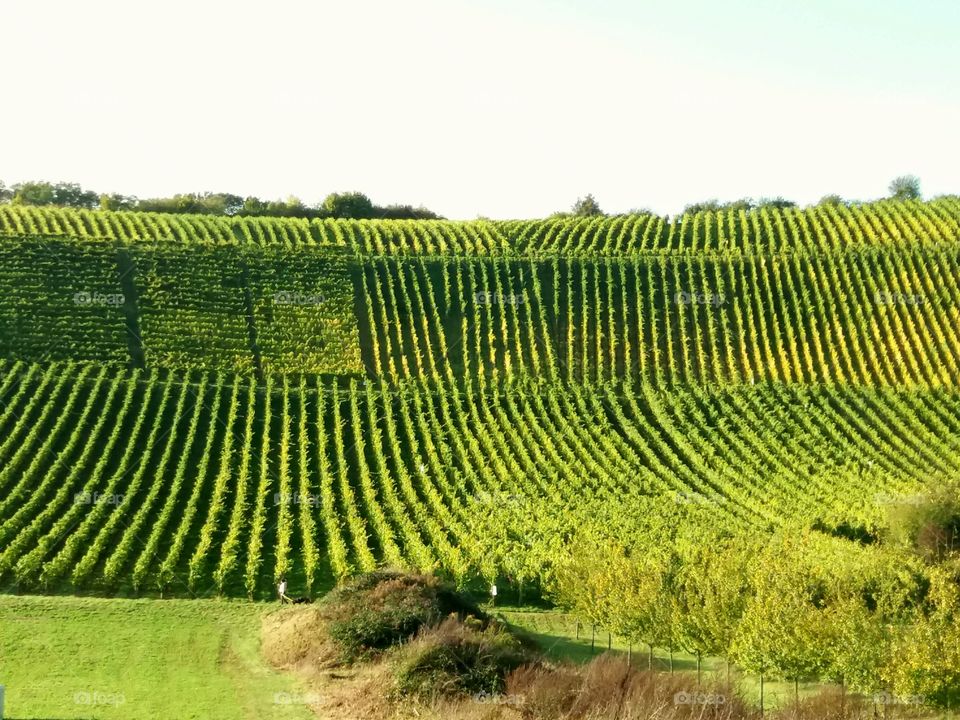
{"x":379,"y":610}
{"x":456,"y":659}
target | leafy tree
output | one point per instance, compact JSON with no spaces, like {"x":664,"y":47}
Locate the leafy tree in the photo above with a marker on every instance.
{"x":586,"y":207}
{"x":63,"y":194}
{"x":710,"y":592}
{"x":116,"y":201}
{"x":6,"y":194}
{"x":253,"y":206}
{"x":905,"y":187}
{"x":832,"y":199}
{"x":404,"y":212}
{"x":783,"y":630}
{"x":347,"y":205}
{"x":741,"y":204}
{"x":778,"y":203}
{"x":704,"y":206}
{"x":926,"y":657}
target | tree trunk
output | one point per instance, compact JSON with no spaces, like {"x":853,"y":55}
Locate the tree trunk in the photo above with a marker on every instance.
{"x":593,"y":638}
{"x":650,"y":657}
{"x":578,"y":628}
{"x":629,"y":653}
{"x":698,"y":668}
{"x":761,"y":693}
{"x":671,"y":659}
{"x":609,"y":641}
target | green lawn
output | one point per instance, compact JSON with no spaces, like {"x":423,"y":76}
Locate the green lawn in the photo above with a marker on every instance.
{"x":68,"y":657}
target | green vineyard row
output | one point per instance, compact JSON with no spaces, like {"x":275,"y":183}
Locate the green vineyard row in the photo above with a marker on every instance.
{"x":762,"y":231}
{"x":176,"y":482}
{"x":869,"y":317}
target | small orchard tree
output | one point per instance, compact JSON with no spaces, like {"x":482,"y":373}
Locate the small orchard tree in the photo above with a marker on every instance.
{"x":782,"y":631}
{"x":710,"y":594}
{"x":905,"y":187}
{"x":587,"y":582}
{"x":925,"y":658}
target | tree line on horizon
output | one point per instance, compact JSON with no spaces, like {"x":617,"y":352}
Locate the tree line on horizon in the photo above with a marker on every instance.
{"x":354,"y":205}
{"x":904,"y":187}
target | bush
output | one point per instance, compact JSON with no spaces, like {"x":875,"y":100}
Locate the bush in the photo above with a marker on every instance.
{"x":455,"y":659}
{"x":379,"y":610}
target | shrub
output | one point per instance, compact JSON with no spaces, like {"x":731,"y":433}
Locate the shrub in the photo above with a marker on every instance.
{"x":455,"y":659}
{"x":381,"y":609}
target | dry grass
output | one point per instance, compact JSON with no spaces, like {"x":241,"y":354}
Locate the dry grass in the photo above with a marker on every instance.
{"x":295,"y":637}
{"x":607,"y":688}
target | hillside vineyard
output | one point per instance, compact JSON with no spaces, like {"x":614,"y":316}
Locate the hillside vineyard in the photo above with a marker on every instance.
{"x":194,"y":404}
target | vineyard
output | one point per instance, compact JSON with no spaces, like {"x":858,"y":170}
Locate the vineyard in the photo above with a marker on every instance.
{"x":198,"y":482}
{"x":202,"y":405}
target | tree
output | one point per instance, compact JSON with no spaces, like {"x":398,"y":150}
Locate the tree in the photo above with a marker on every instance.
{"x":33,"y":193}
{"x":778,"y":203}
{"x":926,"y":658}
{"x":710,"y":592}
{"x":116,"y":201}
{"x":783,"y":630}
{"x":586,"y":207}
{"x":905,"y":187}
{"x":6,"y":194}
{"x":831,"y":200}
{"x":253,"y":206}
{"x":404,"y":212}
{"x":347,"y":205}
{"x":741,"y":204}
{"x":704,"y":206}
{"x":63,"y":194}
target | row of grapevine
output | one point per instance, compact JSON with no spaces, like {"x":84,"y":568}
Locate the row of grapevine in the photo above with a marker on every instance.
{"x":199,"y":483}
{"x":883,"y":224}
{"x":867,"y":317}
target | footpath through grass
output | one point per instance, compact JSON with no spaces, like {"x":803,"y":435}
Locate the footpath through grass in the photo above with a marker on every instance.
{"x":70,"y":658}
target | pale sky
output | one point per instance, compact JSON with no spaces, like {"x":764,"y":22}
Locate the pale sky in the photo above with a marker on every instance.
{"x":508,"y":108}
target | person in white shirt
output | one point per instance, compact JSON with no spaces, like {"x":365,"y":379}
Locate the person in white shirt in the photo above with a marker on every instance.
{"x":282,"y":590}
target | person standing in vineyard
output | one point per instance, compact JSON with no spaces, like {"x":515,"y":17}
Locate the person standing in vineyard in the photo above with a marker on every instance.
{"x":282,"y":590}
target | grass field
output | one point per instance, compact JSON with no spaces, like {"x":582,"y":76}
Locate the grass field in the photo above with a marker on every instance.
{"x":67,"y":658}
